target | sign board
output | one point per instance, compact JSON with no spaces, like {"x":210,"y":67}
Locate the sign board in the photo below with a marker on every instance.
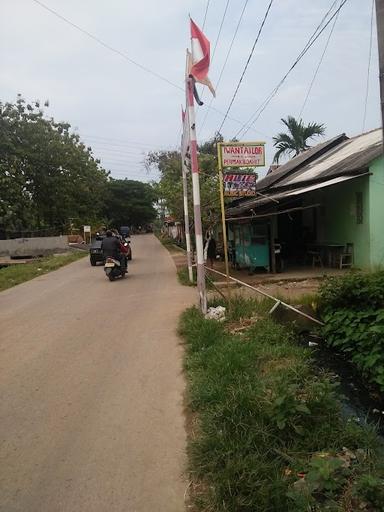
{"x":87,"y":229}
{"x":241,"y":154}
{"x":240,"y":185}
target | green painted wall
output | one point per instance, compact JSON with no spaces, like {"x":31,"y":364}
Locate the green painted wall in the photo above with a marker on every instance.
{"x":376,"y":212}
{"x":337,"y":218}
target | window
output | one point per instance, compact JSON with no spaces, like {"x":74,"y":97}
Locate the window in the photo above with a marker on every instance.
{"x":359,"y":207}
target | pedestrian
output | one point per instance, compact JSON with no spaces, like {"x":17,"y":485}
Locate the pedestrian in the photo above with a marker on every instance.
{"x":210,"y":249}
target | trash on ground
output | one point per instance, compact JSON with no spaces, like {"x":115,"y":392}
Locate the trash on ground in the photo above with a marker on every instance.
{"x":216,"y":313}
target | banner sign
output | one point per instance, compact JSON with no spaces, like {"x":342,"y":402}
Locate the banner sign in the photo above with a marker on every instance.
{"x":240,"y":185}
{"x":242,"y":154}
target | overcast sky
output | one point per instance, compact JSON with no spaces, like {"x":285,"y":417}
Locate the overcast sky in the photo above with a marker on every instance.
{"x":123,"y":111}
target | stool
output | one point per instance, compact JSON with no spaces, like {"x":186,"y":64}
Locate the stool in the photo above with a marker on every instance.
{"x":346,"y":257}
{"x":316,"y":258}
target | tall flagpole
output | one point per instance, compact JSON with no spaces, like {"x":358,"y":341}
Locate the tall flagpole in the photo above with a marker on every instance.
{"x":186,"y":213}
{"x":196,"y":196}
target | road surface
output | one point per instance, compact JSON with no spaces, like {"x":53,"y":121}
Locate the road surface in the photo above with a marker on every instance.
{"x":91,"y":415}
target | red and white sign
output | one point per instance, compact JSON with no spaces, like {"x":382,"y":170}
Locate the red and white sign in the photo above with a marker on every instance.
{"x":242,"y":154}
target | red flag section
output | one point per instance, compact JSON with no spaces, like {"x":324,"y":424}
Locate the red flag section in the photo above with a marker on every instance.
{"x":200,"y":57}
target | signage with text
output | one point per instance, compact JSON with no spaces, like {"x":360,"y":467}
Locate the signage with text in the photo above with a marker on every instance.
{"x":241,"y":154}
{"x":240,"y":185}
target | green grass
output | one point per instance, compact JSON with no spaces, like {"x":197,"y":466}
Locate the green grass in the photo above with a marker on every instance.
{"x":16,"y":274}
{"x":264,"y":416}
{"x":183,"y":276}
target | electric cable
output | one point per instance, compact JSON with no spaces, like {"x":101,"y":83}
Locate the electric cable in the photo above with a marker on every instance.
{"x":318,"y":66}
{"x":369,"y":67}
{"x":225,"y":63}
{"x":205,"y":14}
{"x":246,"y":65}
{"x":107,"y":46}
{"x":256,"y":115}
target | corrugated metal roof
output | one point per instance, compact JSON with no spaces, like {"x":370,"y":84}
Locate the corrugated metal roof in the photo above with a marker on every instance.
{"x":342,"y":157}
{"x":261,"y":201}
{"x":299,"y":161}
{"x":351,"y":156}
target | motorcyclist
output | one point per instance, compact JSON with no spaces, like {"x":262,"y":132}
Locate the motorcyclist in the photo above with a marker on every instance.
{"x":113,"y":248}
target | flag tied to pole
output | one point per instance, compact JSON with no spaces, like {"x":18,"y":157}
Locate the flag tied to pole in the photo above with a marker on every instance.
{"x":200,"y":59}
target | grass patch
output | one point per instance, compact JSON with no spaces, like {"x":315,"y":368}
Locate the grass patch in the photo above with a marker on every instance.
{"x":183,"y":276}
{"x":269,"y":434}
{"x":17,"y":274}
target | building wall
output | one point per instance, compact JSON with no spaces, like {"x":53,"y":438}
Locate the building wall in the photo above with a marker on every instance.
{"x":338,"y":218}
{"x":376,"y":212}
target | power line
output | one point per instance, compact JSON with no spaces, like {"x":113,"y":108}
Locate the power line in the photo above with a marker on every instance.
{"x":217,"y":40}
{"x":205,"y":14}
{"x":318,"y":66}
{"x":255,"y":116}
{"x":225,"y":62}
{"x":369,"y":67}
{"x":106,"y":45}
{"x":246,"y":65}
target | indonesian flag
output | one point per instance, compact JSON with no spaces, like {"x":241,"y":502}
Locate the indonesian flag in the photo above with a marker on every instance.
{"x":200,"y":58}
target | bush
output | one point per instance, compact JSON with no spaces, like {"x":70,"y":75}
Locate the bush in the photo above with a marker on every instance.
{"x":352,"y":308}
{"x":266,"y":422}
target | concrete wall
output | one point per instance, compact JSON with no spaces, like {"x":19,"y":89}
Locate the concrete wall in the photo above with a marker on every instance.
{"x":376,"y":212}
{"x":33,"y":246}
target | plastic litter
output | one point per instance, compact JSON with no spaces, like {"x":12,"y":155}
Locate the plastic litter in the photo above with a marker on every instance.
{"x":216,"y":313}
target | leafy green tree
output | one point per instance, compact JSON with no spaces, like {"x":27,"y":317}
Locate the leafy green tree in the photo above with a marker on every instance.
{"x":47,"y":175}
{"x":295,"y":141}
{"x":129,"y":202}
{"x":169,"y":188}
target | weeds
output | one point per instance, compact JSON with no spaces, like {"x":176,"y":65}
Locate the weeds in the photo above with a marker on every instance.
{"x":16,"y":274}
{"x":270,"y":435}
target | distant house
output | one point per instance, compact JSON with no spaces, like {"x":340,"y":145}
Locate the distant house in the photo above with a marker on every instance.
{"x":324,"y":207}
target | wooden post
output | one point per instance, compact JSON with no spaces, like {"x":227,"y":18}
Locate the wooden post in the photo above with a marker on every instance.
{"x":380,"y":40}
{"x":222,"y":205}
{"x":196,"y":197}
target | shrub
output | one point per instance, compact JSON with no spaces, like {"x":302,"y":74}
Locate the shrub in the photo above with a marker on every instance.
{"x":352,"y":307}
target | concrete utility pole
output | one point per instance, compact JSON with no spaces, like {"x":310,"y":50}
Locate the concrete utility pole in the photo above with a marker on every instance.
{"x":380,"y":40}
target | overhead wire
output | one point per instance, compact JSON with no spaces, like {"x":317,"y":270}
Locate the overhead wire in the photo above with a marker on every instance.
{"x":256,"y":115}
{"x":107,"y":46}
{"x":369,"y":68}
{"x":217,"y":39}
{"x":318,"y":66}
{"x":246,"y":65}
{"x":205,"y":14}
{"x":225,"y":63}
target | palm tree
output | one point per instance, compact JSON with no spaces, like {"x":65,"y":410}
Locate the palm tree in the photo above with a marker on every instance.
{"x":296,"y":140}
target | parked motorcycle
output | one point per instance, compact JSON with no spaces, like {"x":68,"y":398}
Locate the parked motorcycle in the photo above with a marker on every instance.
{"x":113,"y":269}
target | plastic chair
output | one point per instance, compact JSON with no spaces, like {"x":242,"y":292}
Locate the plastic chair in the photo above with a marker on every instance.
{"x":346,"y":257}
{"x":316,"y":258}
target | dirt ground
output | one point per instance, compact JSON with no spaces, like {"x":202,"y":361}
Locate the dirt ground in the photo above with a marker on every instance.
{"x":91,"y":389}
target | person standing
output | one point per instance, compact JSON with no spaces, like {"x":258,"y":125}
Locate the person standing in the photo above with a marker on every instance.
{"x":210,"y":250}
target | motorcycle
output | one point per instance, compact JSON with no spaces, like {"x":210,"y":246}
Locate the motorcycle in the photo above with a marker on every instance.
{"x":113,"y":269}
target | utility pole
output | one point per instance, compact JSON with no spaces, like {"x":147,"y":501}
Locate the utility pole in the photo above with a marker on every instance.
{"x":196,"y":196}
{"x":186,"y":217}
{"x":380,"y":40}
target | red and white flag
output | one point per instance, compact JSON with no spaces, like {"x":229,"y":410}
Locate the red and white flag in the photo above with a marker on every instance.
{"x":200,"y":58}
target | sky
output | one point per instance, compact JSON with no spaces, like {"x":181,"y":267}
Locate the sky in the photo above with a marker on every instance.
{"x":123,"y":111}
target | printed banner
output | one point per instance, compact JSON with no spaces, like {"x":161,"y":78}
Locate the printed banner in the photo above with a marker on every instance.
{"x":241,"y":154}
{"x":239,"y":185}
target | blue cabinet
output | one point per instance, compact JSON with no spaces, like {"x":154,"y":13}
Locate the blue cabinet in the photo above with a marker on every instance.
{"x":251,"y":243}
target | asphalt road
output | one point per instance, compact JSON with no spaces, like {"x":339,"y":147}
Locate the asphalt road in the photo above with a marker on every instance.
{"x":91,"y":389}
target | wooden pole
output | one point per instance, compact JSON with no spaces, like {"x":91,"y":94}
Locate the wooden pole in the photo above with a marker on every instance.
{"x":224,"y":227}
{"x":380,"y":40}
{"x":186,"y":212}
{"x":196,"y":197}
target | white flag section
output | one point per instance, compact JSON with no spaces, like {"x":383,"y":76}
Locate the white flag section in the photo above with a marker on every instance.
{"x":200,"y":58}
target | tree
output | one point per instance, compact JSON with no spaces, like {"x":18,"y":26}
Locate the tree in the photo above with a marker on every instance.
{"x":295,"y":141}
{"x":129,"y":202}
{"x":169,"y":188}
{"x":47,"y":175}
